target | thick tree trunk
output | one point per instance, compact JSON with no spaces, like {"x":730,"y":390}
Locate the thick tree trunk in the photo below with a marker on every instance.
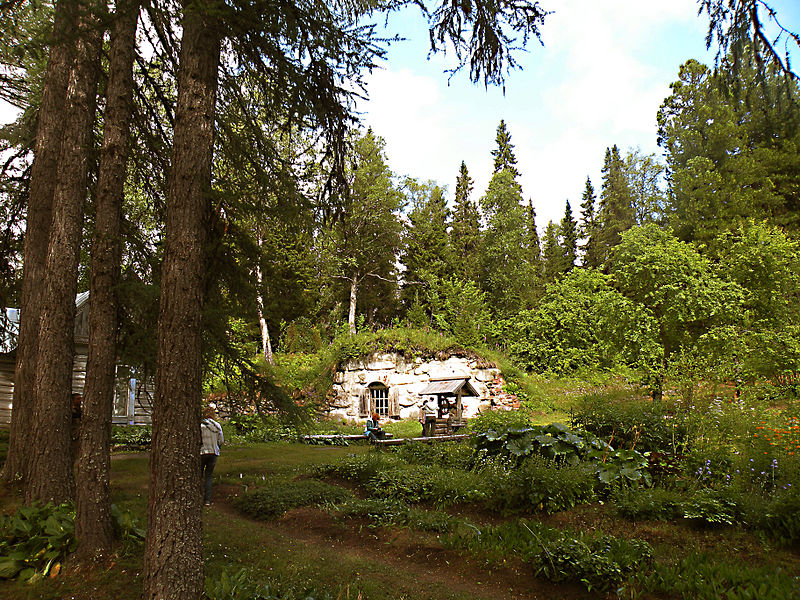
{"x":50,"y":125}
{"x":93,"y":524}
{"x":173,"y":560}
{"x":351,"y":315}
{"x":51,"y":477}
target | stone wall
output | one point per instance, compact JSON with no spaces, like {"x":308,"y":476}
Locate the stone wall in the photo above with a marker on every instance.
{"x":409,"y":377}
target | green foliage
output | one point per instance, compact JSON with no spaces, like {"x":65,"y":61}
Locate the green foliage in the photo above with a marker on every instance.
{"x":263,"y":428}
{"x":702,"y":577}
{"x":452,"y":455}
{"x":128,"y":529}
{"x":383,"y":512}
{"x":34,"y":539}
{"x":648,"y":504}
{"x":499,"y":420}
{"x":554,"y":441}
{"x":634,"y":423}
{"x":581,"y":322}
{"x":243,"y":585}
{"x":597,"y":561}
{"x":712,"y":508}
{"x":271,"y":502}
{"x":460,"y":309}
{"x":136,"y":436}
{"x":360,"y":468}
{"x":428,"y":483}
{"x":781,"y":519}
{"x":536,"y":483}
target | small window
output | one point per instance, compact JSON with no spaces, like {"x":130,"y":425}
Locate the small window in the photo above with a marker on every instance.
{"x":379,"y":399}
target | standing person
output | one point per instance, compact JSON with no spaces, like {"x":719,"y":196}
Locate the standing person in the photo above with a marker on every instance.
{"x":373,"y":429}
{"x":209,"y":453}
{"x":429,"y":409}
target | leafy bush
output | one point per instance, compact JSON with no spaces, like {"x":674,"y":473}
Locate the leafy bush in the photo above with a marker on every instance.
{"x":598,"y":561}
{"x":701,"y":577}
{"x":500,"y":420}
{"x":137,"y":436}
{"x":637,"y":423}
{"x":454,"y":455}
{"x":554,"y":441}
{"x":391,"y":512}
{"x":711,"y":507}
{"x":648,"y":504}
{"x":426,"y":483}
{"x":781,"y":519}
{"x":360,"y":468}
{"x":537,"y":483}
{"x":35,"y":539}
{"x":271,"y":502}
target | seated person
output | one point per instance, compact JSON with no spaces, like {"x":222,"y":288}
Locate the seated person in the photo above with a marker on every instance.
{"x":373,"y":430}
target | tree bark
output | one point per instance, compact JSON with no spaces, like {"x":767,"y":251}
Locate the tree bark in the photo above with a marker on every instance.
{"x":51,"y":477}
{"x":49,"y":128}
{"x":351,"y":315}
{"x":93,"y":524}
{"x":173,"y":560}
{"x":266,"y":345}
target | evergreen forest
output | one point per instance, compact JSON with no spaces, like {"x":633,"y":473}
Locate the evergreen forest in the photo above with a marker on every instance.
{"x":200,"y":169}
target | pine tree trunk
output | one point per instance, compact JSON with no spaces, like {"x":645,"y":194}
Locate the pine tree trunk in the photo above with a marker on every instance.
{"x":351,"y":315}
{"x":51,"y":476}
{"x":47,"y":147}
{"x":173,"y":560}
{"x":93,"y":525}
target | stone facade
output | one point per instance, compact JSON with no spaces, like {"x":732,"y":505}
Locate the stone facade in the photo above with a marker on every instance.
{"x":405,"y":378}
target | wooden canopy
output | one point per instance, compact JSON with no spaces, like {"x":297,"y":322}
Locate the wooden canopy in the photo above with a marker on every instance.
{"x":449,"y":387}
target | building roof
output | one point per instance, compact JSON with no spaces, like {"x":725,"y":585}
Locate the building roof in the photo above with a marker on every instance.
{"x":449,"y":387}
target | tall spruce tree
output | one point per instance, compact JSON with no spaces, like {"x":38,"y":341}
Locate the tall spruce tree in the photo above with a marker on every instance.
{"x":465,"y":228}
{"x":427,"y":254}
{"x":506,"y":270}
{"x":503,"y":154}
{"x":552,"y":253}
{"x":569,"y":240}
{"x":615,"y":214}
{"x":588,"y":226}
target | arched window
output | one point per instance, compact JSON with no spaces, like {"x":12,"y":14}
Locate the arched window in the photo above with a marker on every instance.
{"x":379,"y":398}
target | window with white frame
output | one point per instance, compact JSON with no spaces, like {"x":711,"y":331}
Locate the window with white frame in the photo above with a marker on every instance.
{"x":379,"y":399}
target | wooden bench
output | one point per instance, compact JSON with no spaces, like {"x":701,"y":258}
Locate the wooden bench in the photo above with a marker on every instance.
{"x":427,"y":440}
{"x":336,"y":437}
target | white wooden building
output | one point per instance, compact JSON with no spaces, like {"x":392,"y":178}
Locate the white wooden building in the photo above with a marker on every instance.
{"x":132,"y":399}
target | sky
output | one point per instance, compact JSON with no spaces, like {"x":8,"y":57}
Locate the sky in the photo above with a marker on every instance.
{"x":598,"y":79}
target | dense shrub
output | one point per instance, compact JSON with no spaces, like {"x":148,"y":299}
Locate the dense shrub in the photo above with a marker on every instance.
{"x":781,"y":519}
{"x":713,"y":508}
{"x":701,"y":577}
{"x":35,"y":539}
{"x":360,"y":468}
{"x":500,"y":420}
{"x":135,"y":436}
{"x":648,"y":504}
{"x":598,"y":561}
{"x":273,"y":501}
{"x":634,"y":424}
{"x":454,"y":455}
{"x":391,"y":512}
{"x":426,"y":483}
{"x":537,"y":483}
